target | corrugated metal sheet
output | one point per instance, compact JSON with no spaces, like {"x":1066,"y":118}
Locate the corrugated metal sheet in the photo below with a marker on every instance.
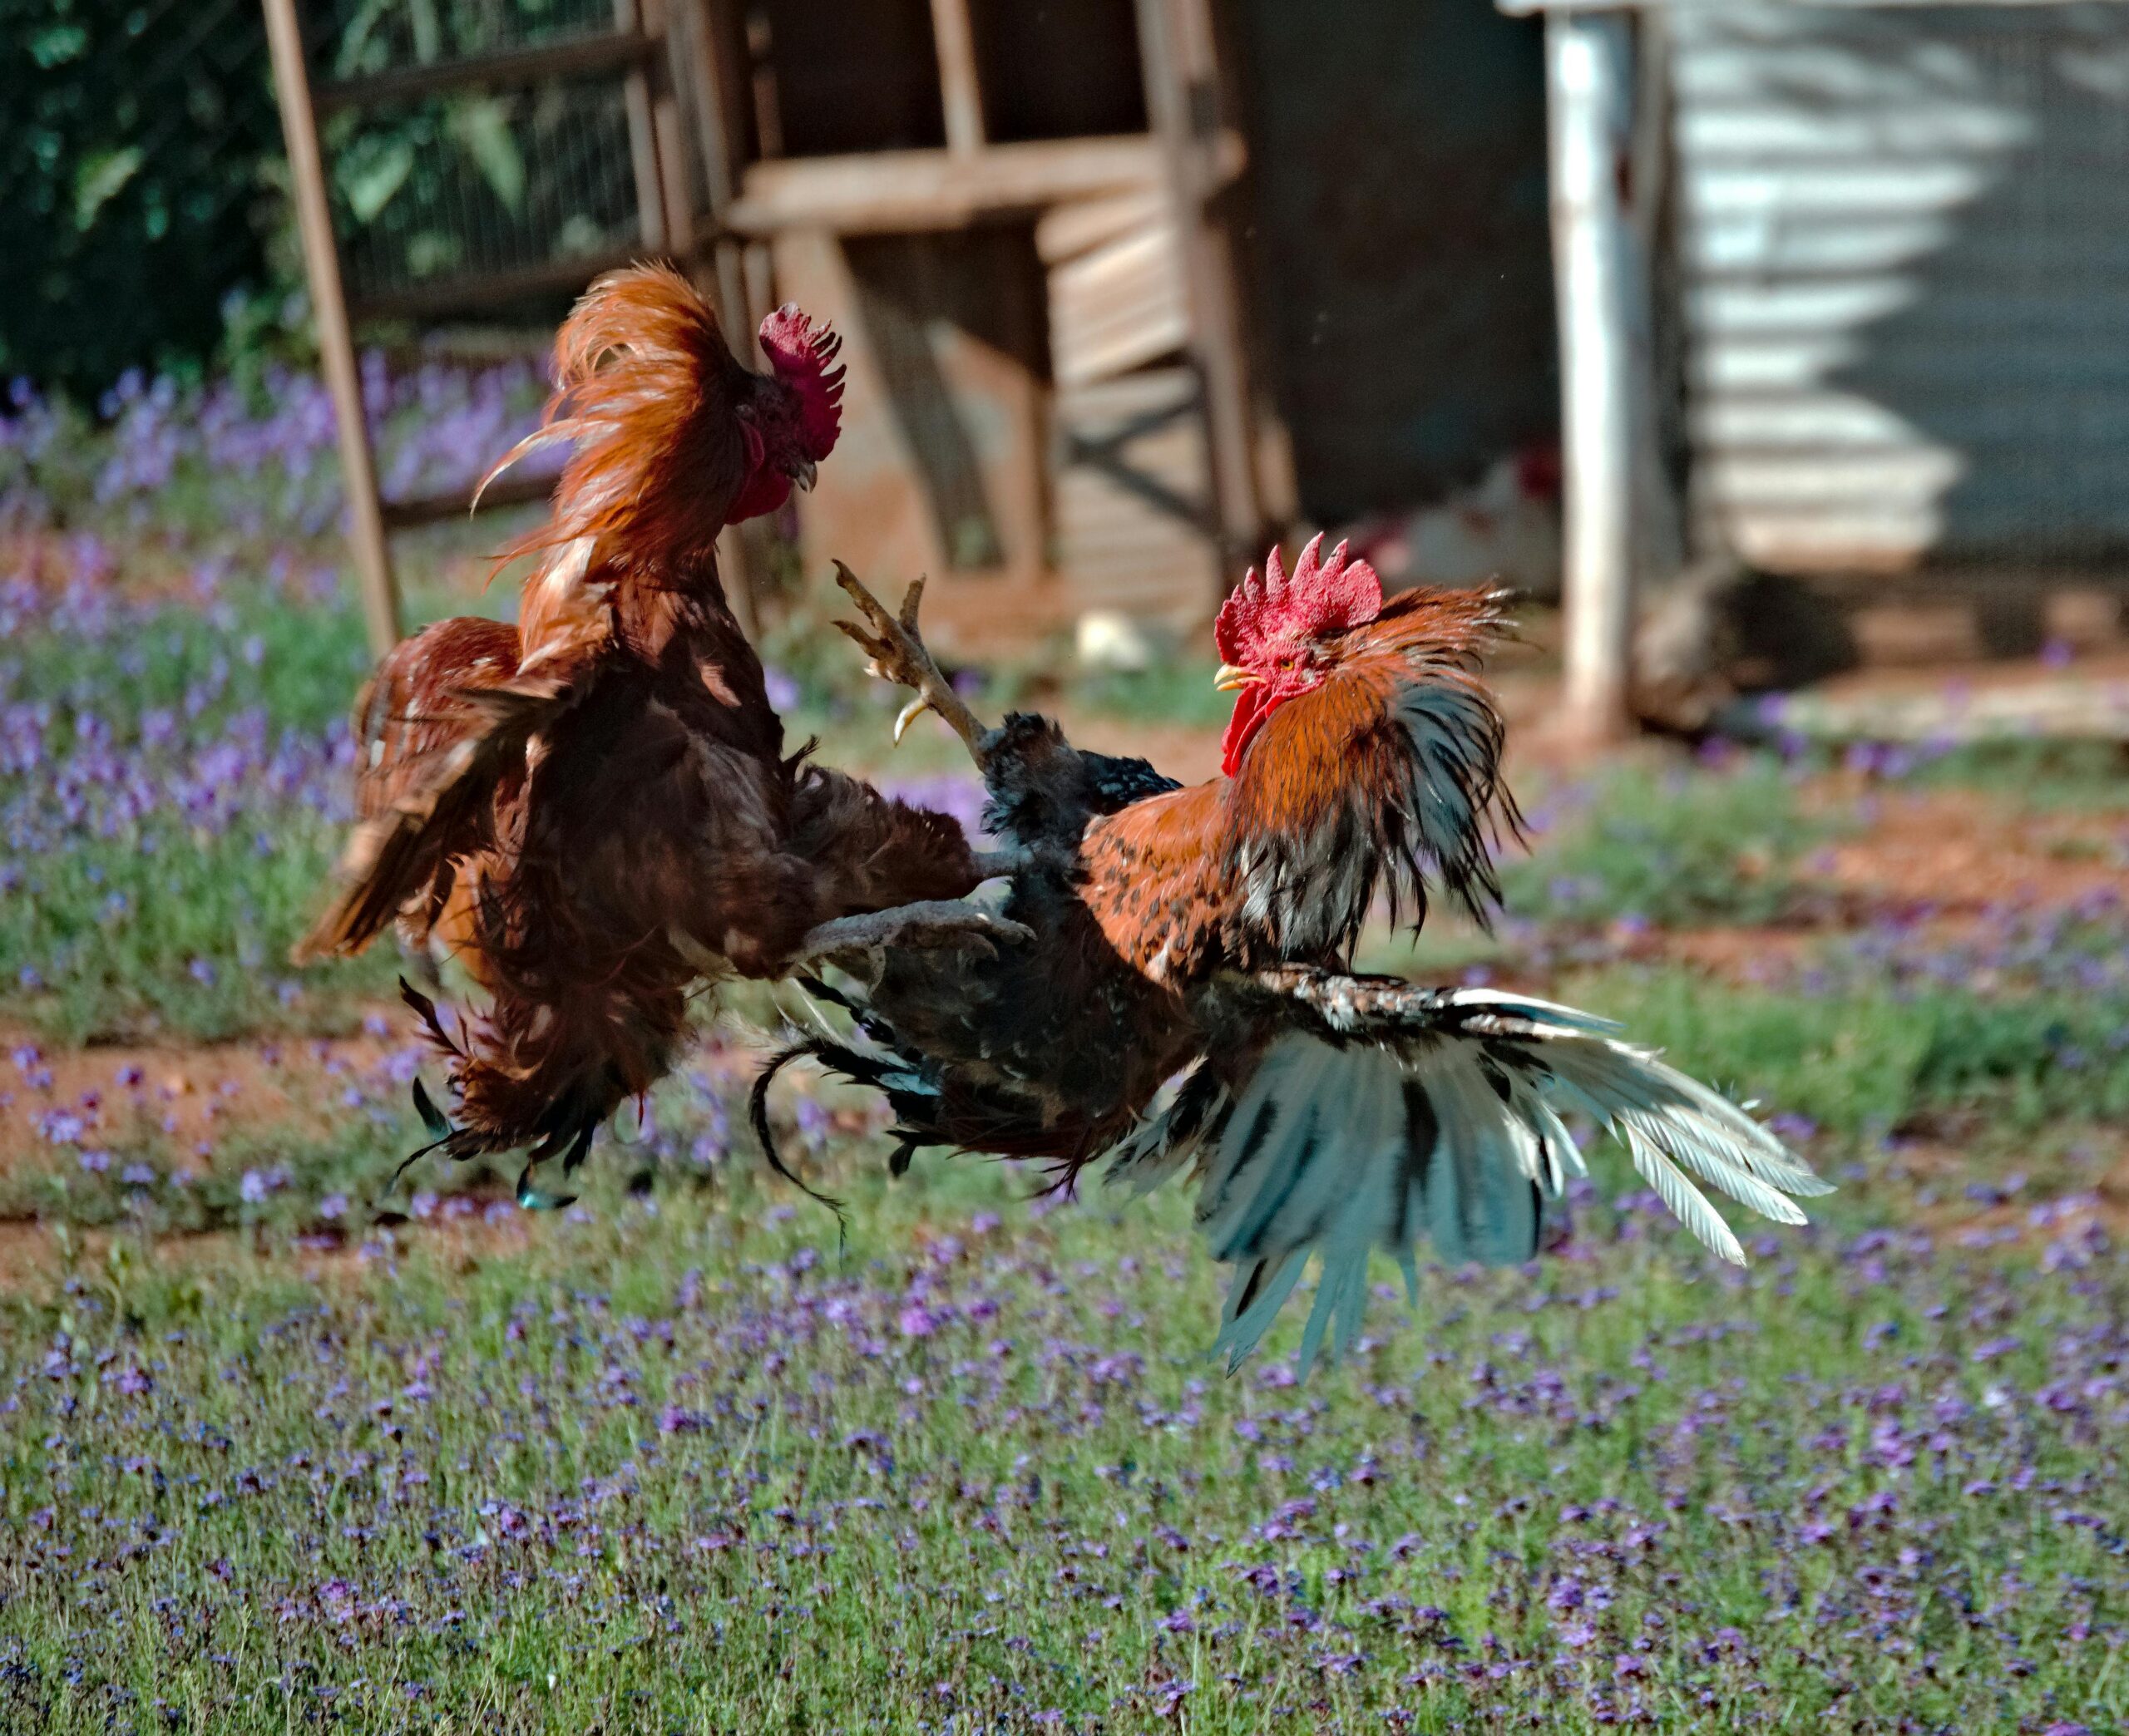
{"x":1905,"y":250}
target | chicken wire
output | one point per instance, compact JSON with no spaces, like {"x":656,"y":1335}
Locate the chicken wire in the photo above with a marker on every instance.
{"x":352,"y":38}
{"x":477,"y":183}
{"x":481,"y":184}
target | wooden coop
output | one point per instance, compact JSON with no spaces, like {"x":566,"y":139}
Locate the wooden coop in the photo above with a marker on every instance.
{"x":1018,"y":216}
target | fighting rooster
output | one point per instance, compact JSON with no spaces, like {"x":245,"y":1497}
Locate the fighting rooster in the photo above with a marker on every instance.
{"x":594,"y":809}
{"x":1187,"y":994}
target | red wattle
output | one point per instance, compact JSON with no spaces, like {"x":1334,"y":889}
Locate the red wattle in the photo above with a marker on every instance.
{"x":1252,"y":705}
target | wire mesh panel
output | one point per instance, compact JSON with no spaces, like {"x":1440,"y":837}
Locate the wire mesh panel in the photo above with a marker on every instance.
{"x":352,"y":38}
{"x":448,"y":187}
{"x":481,"y":184}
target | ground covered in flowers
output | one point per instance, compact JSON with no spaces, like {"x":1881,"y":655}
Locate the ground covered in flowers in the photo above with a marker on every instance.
{"x":285,"y":1442}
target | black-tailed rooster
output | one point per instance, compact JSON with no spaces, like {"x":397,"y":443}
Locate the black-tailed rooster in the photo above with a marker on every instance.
{"x":1208,"y":932}
{"x":594,"y":809}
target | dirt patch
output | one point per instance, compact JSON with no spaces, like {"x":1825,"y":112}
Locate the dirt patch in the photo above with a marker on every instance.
{"x":1947,"y":852}
{"x":182,"y":1098}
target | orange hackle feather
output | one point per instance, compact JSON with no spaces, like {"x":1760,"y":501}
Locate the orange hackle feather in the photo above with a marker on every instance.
{"x":645,"y":390}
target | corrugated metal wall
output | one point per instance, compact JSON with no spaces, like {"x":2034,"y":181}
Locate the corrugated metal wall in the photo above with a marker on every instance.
{"x":1904,"y":248}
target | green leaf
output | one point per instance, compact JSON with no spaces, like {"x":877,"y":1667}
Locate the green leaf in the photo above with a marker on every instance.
{"x":481,"y":127}
{"x":372,"y":173}
{"x":99,"y":180}
{"x":57,"y":45}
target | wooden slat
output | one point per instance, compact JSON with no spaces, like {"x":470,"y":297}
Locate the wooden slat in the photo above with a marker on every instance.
{"x":960,"y":92}
{"x":1082,"y":224}
{"x":1119,"y":307}
{"x":889,"y":191}
{"x":580,"y":58}
{"x":508,"y":490}
{"x":491,"y":288}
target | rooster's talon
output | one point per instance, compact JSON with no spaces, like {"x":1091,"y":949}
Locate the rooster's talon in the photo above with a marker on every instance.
{"x":910,"y":714}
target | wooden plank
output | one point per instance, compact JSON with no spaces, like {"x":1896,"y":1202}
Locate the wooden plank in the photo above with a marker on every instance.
{"x":905,"y":191}
{"x":506,"y":69}
{"x":1082,"y":224}
{"x":508,"y":490}
{"x":1119,"y":307}
{"x":960,"y":92}
{"x":460,"y":291}
{"x":643,"y":142}
{"x":709,"y":83}
{"x":336,"y":342}
{"x":1177,"y":50}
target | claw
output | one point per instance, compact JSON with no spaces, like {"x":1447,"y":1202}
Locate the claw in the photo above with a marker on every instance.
{"x":910,"y":714}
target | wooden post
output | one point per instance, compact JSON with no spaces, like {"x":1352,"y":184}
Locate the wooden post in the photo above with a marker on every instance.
{"x":960,"y":94}
{"x":1183,"y":100}
{"x":1590,"y":85}
{"x":336,"y":344}
{"x":643,"y":142}
{"x":697,"y":25}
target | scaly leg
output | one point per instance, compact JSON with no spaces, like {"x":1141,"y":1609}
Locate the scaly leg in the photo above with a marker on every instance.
{"x":931,"y":922}
{"x":897,"y":651}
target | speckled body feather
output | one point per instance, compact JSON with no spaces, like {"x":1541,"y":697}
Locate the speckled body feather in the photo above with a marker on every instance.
{"x":1187,"y":999}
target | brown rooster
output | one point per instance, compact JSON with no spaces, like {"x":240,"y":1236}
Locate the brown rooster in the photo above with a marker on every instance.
{"x":1187,"y":993}
{"x":594,"y":809}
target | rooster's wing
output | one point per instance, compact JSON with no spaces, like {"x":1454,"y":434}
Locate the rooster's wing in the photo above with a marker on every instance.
{"x":442,"y":730}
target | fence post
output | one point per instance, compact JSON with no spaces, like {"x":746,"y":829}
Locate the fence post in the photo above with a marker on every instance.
{"x":336,"y":344}
{"x":1589,"y":79}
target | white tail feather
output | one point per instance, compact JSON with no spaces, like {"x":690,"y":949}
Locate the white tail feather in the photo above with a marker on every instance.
{"x":1450,"y":1128}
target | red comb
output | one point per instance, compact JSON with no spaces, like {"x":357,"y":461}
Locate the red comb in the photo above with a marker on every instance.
{"x":1323,"y":596}
{"x":801,"y":352}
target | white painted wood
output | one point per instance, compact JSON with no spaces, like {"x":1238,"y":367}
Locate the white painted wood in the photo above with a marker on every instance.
{"x":1590,"y":68}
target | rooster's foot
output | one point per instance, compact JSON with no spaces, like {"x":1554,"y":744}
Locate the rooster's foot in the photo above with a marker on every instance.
{"x":934,"y":922}
{"x":898,"y":654}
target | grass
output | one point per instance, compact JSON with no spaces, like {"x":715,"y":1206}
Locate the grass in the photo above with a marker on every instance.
{"x":680,"y":1467}
{"x":1865,"y":1059}
{"x":2035,"y":777}
{"x":286,"y":1442}
{"x":1683,"y":849}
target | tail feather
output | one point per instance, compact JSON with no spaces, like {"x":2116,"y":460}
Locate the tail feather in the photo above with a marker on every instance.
{"x":1447,"y":1127}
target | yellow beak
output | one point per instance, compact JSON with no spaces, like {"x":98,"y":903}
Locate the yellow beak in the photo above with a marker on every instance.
{"x":1232,"y":676}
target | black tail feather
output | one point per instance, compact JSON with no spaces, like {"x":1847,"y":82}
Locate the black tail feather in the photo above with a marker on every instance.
{"x":757,"y":1113}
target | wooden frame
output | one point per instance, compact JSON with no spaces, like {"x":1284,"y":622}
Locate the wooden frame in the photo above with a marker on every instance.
{"x":640,"y":48}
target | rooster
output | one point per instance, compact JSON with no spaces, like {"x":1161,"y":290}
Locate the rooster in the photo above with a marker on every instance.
{"x":594,"y":809}
{"x":1187,"y":995}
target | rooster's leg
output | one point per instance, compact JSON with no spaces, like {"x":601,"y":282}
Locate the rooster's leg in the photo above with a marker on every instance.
{"x":932,"y":922}
{"x":898,"y":654}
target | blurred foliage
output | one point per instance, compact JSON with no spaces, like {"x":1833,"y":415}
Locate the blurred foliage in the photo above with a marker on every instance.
{"x":143,"y":213}
{"x":130,"y":189}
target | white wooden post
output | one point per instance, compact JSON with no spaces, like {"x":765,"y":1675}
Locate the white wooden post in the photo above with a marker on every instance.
{"x":1599,"y":280}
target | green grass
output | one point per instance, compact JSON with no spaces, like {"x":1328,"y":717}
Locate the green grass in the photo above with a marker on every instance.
{"x":677,"y":1471}
{"x":188,"y":941}
{"x":1682,"y":850}
{"x":2036,"y":777}
{"x":1864,"y":1060}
